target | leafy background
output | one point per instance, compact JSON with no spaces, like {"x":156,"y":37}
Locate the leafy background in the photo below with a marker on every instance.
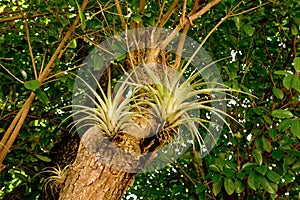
{"x":259,"y":160}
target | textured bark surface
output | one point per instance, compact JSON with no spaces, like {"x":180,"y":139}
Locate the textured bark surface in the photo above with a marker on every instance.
{"x":89,"y":178}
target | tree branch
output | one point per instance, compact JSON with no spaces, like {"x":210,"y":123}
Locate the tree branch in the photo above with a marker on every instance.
{"x":120,"y":14}
{"x":190,"y":18}
{"x":14,"y":128}
{"x":11,"y":74}
{"x":168,"y":14}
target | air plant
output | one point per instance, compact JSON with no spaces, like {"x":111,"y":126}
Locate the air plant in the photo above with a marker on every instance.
{"x":173,"y":100}
{"x":112,"y":113}
{"x":56,"y":177}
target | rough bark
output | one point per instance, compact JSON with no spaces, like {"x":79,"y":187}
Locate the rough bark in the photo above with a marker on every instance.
{"x":100,"y":164}
{"x":90,"y":179}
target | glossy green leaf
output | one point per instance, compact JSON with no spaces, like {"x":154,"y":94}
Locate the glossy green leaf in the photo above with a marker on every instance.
{"x":280,"y":113}
{"x":295,"y":129}
{"x":277,"y":154}
{"x":216,"y":178}
{"x":214,"y":168}
{"x":278,"y":93}
{"x":268,"y":119}
{"x":296,"y":166}
{"x":273,"y":176}
{"x":258,"y":111}
{"x":41,"y":96}
{"x":248,"y":165}
{"x":290,"y":80}
{"x":249,"y":30}
{"x":253,"y":181}
{"x":285,"y":124}
{"x":43,"y":158}
{"x":239,"y":186}
{"x":297,"y":64}
{"x":73,"y":44}
{"x":269,"y":187}
{"x":281,"y":72}
{"x":32,"y":85}
{"x":136,"y":18}
{"x":63,"y":20}
{"x":262,"y":169}
{"x":294,"y":29}
{"x":289,"y":178}
{"x":217,"y":187}
{"x":229,"y":172}
{"x":257,"y":156}
{"x":237,"y":22}
{"x":259,"y":143}
{"x":266,"y":144}
{"x":228,"y":185}
{"x":82,"y":17}
{"x":273,"y":133}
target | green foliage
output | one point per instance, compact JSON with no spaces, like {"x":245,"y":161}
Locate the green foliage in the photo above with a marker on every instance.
{"x":259,"y":160}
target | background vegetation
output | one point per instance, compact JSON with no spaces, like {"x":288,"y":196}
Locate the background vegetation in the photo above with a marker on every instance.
{"x":259,"y":160}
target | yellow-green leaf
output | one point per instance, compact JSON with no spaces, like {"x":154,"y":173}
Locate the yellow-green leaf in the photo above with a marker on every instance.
{"x":266,"y":144}
{"x":32,"y":85}
{"x":43,"y":158}
{"x":217,"y":187}
{"x":273,"y":176}
{"x":229,"y":186}
{"x":253,"y":180}
{"x":136,"y":18}
{"x":269,"y":187}
{"x":82,"y":18}
{"x":280,"y":113}
{"x":257,"y":156}
{"x":239,"y":186}
{"x":296,"y":128}
{"x":278,"y":93}
{"x":41,"y":96}
{"x":297,"y":64}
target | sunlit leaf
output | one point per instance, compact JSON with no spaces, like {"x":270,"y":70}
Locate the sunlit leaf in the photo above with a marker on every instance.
{"x":257,"y":156}
{"x":280,"y":113}
{"x":297,"y":64}
{"x":32,"y":85}
{"x":295,"y":128}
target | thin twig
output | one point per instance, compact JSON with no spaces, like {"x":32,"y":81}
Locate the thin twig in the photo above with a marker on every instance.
{"x":11,"y":74}
{"x":63,"y":72}
{"x":29,"y":46}
{"x":43,"y":62}
{"x":6,"y":58}
{"x":180,"y":46}
{"x":183,"y":10}
{"x":203,"y":10}
{"x":185,"y":174}
{"x":243,"y":12}
{"x":24,"y":15}
{"x":190,"y":18}
{"x":168,"y":14}
{"x":120,"y":14}
{"x":160,"y":13}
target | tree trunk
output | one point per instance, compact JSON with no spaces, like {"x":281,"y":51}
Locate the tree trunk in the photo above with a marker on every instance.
{"x":101,"y":169}
{"x":89,"y":179}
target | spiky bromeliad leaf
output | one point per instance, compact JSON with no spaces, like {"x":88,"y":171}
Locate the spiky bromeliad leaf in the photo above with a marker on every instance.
{"x":108,"y":112}
{"x":173,"y":99}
